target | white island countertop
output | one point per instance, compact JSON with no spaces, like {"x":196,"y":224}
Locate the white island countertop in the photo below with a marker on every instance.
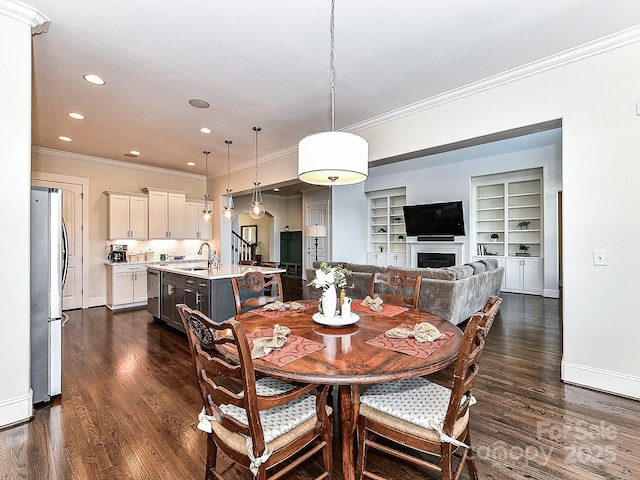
{"x":200,"y":270}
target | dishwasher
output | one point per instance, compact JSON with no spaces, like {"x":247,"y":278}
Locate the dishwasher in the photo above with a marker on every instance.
{"x":153,"y":292}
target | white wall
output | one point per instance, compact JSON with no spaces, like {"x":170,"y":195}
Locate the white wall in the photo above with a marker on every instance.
{"x":349,"y":219}
{"x":15,"y":152}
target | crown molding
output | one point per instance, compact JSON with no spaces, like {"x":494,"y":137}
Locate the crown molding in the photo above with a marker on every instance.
{"x":610,"y":42}
{"x":111,"y":162}
{"x":25,"y":14}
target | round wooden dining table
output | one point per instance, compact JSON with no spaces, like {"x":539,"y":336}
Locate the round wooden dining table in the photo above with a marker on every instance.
{"x":348,"y":361}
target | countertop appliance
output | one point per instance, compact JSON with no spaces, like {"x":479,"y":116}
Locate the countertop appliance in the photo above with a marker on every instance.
{"x":118,"y":254}
{"x":153,"y":292}
{"x":49,"y":262}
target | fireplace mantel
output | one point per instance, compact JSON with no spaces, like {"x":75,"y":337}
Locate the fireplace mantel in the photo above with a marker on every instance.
{"x":435,"y":247}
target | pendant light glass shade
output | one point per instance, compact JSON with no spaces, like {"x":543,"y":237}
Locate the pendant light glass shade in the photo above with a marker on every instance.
{"x":228,"y":212}
{"x":206,"y":210}
{"x":333,"y":158}
{"x":256,"y":208}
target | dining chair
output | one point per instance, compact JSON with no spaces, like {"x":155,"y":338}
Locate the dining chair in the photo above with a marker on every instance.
{"x":264,"y":424}
{"x":490,"y":310}
{"x":245,"y":288}
{"x":396,"y":287}
{"x":424,"y":416}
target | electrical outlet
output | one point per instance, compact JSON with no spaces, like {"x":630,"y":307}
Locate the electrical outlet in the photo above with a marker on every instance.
{"x":600,"y":257}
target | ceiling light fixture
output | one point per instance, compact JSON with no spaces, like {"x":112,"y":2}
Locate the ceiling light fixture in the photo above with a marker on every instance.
{"x":228,"y":212}
{"x":191,"y":164}
{"x":76,"y":116}
{"x":198,"y":103}
{"x":134,"y":152}
{"x":333,"y":158}
{"x":206,"y":130}
{"x":93,"y":78}
{"x":206,"y":210}
{"x":64,"y":139}
{"x":256,"y":208}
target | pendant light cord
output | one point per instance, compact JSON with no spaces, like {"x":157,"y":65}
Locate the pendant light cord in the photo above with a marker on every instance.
{"x":257,"y":129}
{"x":228,"y":142}
{"x":333,"y":66}
{"x":206,"y":174}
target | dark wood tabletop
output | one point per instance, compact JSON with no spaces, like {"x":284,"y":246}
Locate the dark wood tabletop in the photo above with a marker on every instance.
{"x":348,"y":361}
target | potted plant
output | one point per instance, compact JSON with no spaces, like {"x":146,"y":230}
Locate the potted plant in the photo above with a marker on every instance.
{"x":494,"y":237}
{"x":523,"y":250}
{"x":524,"y":224}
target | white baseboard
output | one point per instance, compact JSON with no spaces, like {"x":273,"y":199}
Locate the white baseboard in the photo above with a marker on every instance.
{"x":550,"y":293}
{"x":597,"y":379}
{"x":97,"y":301}
{"x":16,"y":410}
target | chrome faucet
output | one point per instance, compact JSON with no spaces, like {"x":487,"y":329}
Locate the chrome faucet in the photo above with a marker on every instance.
{"x":211,"y":255}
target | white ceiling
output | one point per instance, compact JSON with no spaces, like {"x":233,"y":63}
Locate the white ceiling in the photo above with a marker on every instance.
{"x":266,"y":63}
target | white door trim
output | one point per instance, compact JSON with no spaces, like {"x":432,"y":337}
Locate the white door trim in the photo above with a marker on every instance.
{"x":54,"y":177}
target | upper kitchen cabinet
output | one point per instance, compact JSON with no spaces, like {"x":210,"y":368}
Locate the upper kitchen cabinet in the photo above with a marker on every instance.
{"x":195,"y":226}
{"x":127,"y":213}
{"x":166,"y":213}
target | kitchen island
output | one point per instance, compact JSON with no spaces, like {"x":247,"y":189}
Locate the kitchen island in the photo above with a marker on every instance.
{"x":206,"y":289}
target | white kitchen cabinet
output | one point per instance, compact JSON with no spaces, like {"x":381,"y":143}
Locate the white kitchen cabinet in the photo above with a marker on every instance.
{"x":195,"y":226}
{"x":126,"y":286}
{"x":396,"y":259}
{"x":166,"y":213}
{"x":524,"y":275}
{"x":386,"y":259}
{"x":377,"y":259}
{"x":128,"y":216}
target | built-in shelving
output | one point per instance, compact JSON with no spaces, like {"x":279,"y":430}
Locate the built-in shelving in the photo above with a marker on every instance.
{"x":387,"y":231}
{"x":511,"y":208}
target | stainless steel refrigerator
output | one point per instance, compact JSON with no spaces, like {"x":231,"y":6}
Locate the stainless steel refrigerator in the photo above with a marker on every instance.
{"x":48,"y":271}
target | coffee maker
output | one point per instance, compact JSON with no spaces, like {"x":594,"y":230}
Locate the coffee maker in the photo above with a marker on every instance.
{"x":118,"y":254}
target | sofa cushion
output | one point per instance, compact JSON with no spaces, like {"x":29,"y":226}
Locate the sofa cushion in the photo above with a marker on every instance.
{"x":490,"y":263}
{"x":478,"y":267}
{"x":463,"y":271}
{"x":357,"y":267}
{"x":428,"y":272}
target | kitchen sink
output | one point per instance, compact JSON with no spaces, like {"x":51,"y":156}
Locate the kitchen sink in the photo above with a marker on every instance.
{"x":192,"y":269}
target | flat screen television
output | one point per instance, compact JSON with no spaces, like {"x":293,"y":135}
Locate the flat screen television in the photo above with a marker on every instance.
{"x":434,"y":219}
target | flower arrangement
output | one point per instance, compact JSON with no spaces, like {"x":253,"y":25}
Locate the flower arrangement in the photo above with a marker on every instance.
{"x":327,"y":276}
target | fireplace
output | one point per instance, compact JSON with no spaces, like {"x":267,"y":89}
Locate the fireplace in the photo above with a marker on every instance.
{"x":436,"y":260}
{"x":436,"y":254}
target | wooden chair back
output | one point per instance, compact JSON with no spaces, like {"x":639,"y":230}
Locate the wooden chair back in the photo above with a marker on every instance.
{"x":490,"y":310}
{"x":247,"y":262}
{"x":256,"y":289}
{"x":396,"y":287}
{"x":224,"y":383}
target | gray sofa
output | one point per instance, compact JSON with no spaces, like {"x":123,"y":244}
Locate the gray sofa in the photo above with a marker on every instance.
{"x":454,"y":293}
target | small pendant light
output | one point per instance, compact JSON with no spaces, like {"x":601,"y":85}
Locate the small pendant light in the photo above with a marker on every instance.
{"x":228,"y":212}
{"x":256,"y":209}
{"x":206,"y":210}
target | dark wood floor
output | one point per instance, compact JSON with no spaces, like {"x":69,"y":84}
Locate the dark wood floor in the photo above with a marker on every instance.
{"x":129,"y":407}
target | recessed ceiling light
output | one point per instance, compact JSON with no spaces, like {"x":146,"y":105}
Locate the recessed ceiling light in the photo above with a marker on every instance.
{"x":198,"y":103}
{"x":191,"y":164}
{"x":92,"y":78}
{"x":205,"y":130}
{"x":77,"y":116}
{"x":134,"y":152}
{"x":64,"y":139}
{"x":276,"y":189}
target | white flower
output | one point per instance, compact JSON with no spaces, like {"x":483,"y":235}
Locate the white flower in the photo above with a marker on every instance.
{"x":326,"y":276}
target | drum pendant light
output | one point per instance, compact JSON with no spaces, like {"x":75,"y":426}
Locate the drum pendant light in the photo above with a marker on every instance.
{"x":228,"y":212}
{"x":333,"y":158}
{"x":256,"y":208}
{"x":206,"y":210}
